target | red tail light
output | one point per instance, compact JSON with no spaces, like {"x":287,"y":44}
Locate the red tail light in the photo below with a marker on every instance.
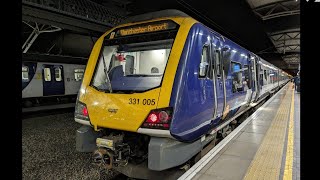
{"x":85,"y":111}
{"x":153,"y":118}
{"x":158,"y":119}
{"x":81,"y":111}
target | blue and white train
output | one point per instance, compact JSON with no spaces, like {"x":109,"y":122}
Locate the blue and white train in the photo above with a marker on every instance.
{"x":49,"y":82}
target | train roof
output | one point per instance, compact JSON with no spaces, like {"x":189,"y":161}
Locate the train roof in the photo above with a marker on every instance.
{"x":177,"y":13}
{"x":155,"y":15}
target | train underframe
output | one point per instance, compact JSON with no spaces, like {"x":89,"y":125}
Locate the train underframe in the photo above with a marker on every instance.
{"x":153,"y":157}
{"x":48,"y":100}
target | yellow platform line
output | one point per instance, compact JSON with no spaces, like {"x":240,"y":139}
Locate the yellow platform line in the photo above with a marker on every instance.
{"x":267,"y":161}
{"x":289,"y":155}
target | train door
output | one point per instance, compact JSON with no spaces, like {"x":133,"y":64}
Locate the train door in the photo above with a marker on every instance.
{"x":253,"y":71}
{"x":53,"y":80}
{"x":259,"y":77}
{"x":206,"y":79}
{"x":219,"y":86}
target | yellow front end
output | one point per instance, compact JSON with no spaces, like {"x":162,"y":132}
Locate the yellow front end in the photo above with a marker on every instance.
{"x":120,"y":111}
{"x":128,"y":111}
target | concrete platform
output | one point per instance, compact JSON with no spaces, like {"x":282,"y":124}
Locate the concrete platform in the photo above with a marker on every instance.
{"x":266,"y":147}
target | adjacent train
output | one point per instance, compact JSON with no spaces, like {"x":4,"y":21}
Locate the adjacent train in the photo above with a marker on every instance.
{"x":158,"y":88}
{"x":50,"y":82}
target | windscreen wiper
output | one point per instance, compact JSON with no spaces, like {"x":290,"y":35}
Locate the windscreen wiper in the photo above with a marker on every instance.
{"x":107,"y":75}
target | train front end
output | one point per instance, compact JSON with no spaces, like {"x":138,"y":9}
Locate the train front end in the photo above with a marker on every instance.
{"x":125,"y":94}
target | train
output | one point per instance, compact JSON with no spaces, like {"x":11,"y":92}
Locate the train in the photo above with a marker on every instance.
{"x":49,"y":82}
{"x":160,"y":87}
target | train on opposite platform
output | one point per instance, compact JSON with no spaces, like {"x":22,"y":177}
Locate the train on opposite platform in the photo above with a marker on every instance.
{"x":162,"y":86}
{"x":51,"y":80}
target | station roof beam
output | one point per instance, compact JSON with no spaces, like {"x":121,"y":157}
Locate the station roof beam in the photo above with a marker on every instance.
{"x":81,"y":16}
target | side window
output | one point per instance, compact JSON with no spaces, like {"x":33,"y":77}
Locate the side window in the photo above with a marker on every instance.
{"x":25,"y":74}
{"x":47,"y":74}
{"x":218,"y":65}
{"x":78,"y":74}
{"x":271,"y":76}
{"x":261,"y":79}
{"x":236,"y":77}
{"x":204,"y":63}
{"x":246,"y":82}
{"x":57,"y":72}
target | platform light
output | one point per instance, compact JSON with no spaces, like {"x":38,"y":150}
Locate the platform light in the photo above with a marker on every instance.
{"x":242,"y":55}
{"x":234,"y":50}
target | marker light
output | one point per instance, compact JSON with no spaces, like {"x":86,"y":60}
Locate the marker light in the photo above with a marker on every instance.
{"x":158,"y":119}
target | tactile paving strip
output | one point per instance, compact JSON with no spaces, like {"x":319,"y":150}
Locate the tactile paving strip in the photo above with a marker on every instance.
{"x":267,"y":161}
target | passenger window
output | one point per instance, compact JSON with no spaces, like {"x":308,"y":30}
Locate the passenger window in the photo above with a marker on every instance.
{"x":47,"y":74}
{"x":204,"y":64}
{"x":271,"y":76}
{"x":261,"y":79}
{"x":236,"y":77}
{"x":78,"y":74}
{"x":58,"y":74}
{"x":246,"y":82}
{"x":217,"y":60}
{"x":25,"y":74}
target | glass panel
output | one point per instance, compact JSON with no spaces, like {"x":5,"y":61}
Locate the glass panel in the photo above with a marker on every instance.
{"x":78,"y":74}
{"x":25,"y":73}
{"x":47,"y":74}
{"x":236,"y":77}
{"x":58,"y":74}
{"x":203,"y":68}
{"x":139,"y":65}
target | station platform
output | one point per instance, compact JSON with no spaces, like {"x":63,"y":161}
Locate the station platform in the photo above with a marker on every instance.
{"x":265,"y":146}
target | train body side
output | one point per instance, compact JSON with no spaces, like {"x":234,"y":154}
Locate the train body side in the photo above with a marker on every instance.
{"x":34,"y":84}
{"x":193,"y":97}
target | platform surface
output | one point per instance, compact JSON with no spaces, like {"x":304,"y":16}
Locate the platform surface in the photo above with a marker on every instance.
{"x":267,"y":147}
